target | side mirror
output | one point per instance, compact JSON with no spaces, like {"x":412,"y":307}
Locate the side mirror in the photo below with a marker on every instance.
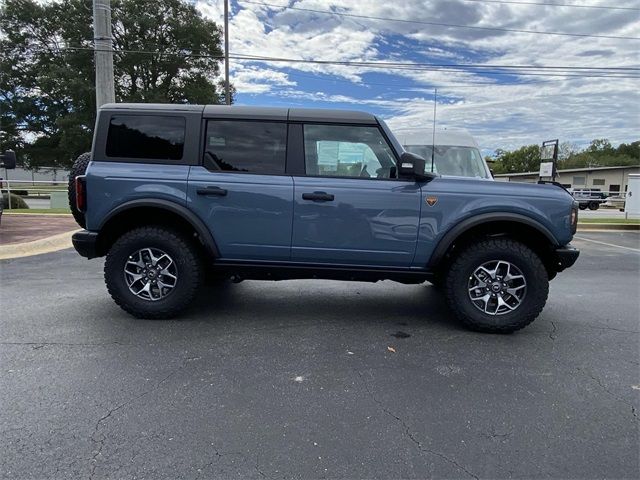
{"x":412,"y":166}
{"x":8,"y":159}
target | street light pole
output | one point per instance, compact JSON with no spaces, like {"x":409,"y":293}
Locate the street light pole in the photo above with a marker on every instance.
{"x":227,"y":94}
{"x":103,"y":51}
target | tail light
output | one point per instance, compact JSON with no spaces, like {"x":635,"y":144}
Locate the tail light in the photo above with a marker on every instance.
{"x":81,"y":193}
{"x":574,"y":219}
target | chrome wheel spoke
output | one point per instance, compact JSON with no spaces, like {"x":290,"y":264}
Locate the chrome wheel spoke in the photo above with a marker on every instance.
{"x":502,"y":303}
{"x":514,"y":291}
{"x":150,"y":274}
{"x":497,"y":287}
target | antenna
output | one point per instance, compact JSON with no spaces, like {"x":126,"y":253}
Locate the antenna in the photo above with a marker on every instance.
{"x":433,"y":141}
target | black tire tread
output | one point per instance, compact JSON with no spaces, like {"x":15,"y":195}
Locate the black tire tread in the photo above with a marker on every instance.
{"x":192,"y":264}
{"x":79,"y":168}
{"x":525,"y":317}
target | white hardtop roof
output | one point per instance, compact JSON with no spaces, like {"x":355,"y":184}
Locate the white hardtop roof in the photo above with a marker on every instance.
{"x":455,"y":138}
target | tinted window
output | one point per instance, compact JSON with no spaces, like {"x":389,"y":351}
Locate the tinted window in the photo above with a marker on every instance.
{"x":146,"y":136}
{"x":347,"y":151}
{"x":252,"y":147}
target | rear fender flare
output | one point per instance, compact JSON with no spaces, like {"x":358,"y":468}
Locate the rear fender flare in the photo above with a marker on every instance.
{"x":190,"y":217}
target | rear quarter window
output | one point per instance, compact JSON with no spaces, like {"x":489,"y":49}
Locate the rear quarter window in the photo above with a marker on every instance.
{"x":246,"y":146}
{"x":146,"y":137}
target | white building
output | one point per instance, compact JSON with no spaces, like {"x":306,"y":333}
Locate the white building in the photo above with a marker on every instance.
{"x":614,"y":180}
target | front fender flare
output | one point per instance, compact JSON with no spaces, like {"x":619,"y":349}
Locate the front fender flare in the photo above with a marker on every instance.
{"x":458,"y":229}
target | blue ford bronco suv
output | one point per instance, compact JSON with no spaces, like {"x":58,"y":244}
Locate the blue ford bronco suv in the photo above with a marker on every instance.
{"x":173,"y":193}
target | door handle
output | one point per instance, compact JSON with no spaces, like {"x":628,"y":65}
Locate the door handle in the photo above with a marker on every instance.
{"x":217,"y":191}
{"x":318,"y":197}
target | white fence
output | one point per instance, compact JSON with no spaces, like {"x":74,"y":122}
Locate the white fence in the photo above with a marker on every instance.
{"x":40,"y":193}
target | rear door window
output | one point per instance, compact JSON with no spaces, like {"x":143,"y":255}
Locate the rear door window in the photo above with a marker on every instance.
{"x":146,"y":137}
{"x":246,"y":147}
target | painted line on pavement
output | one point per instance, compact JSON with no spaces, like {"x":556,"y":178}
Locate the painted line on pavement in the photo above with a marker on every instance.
{"x":637,"y":250}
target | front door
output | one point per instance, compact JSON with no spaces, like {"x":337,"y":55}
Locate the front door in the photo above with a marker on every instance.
{"x":350,"y":208}
{"x":241,"y":191}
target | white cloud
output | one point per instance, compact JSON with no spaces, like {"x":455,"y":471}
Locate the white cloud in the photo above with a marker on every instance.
{"x":534,"y":109}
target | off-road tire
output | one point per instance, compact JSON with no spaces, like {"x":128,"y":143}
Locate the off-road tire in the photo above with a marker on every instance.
{"x":79,"y":168}
{"x":473,"y":256}
{"x":178,"y":247}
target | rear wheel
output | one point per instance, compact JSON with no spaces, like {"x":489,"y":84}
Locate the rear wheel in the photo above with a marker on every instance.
{"x":153,"y":272}
{"x":594,"y":206}
{"x":79,"y":168}
{"x":497,"y":286}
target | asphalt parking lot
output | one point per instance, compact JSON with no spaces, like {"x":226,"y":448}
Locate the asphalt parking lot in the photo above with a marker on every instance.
{"x":297,"y":379}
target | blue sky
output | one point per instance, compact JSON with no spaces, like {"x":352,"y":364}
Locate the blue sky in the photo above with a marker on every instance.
{"x":501,"y":111}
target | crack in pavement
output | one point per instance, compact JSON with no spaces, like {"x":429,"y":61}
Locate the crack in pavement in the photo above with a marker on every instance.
{"x":609,"y":392}
{"x":409,"y":434}
{"x":552,"y":335}
{"x":218,"y":455}
{"x":102,"y":438}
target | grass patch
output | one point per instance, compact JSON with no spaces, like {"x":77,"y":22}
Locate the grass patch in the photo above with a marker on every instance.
{"x":619,"y":221}
{"x":38,"y":210}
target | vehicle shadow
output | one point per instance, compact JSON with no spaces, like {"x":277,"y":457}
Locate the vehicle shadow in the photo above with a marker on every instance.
{"x":263,"y":302}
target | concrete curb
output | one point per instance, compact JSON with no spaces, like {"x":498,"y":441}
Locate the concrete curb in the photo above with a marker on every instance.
{"x":608,"y":226}
{"x":6,"y":212}
{"x":37,"y":247}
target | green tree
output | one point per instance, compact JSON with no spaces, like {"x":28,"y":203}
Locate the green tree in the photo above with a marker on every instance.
{"x":47,"y":82}
{"x":600,"y":145}
{"x":524,"y":159}
{"x":631,"y":150}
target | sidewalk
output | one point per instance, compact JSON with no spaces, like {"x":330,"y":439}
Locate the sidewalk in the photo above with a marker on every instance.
{"x":27,"y":228}
{"x":26,"y":235}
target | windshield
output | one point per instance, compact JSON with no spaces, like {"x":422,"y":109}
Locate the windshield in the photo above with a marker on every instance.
{"x":451,"y":160}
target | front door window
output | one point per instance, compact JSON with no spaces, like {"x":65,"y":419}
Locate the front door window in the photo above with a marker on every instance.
{"x":347,"y":151}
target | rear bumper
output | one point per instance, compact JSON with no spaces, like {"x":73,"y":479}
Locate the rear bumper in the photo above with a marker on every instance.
{"x":85,"y":243}
{"x":565,"y":257}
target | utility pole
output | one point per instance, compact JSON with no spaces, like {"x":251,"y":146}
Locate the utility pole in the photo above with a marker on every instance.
{"x":433,"y":133}
{"x":103,"y":51}
{"x":227,"y":95}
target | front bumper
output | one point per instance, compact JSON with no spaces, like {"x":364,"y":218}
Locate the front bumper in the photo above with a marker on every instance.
{"x":565,"y":257}
{"x":85,"y":243}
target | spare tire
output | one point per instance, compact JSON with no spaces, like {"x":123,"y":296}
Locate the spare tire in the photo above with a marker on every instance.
{"x":79,"y":168}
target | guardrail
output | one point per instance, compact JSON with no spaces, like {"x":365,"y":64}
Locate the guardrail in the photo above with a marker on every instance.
{"x":36,"y":192}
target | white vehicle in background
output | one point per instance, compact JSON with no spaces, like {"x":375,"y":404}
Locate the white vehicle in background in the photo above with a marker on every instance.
{"x":456,"y":154}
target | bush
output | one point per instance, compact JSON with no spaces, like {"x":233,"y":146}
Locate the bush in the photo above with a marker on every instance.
{"x":16,"y":201}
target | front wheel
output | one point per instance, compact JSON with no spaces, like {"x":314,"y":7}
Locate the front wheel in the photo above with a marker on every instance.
{"x":153,"y":272}
{"x":497,"y":286}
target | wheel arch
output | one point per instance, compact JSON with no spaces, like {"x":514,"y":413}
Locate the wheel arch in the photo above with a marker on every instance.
{"x":137,"y":213}
{"x":519,"y":227}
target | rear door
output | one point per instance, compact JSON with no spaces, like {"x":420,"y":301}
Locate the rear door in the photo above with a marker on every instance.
{"x":350,"y":207}
{"x":241,"y":190}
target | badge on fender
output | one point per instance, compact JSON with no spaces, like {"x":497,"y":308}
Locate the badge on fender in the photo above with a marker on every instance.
{"x":431,"y":201}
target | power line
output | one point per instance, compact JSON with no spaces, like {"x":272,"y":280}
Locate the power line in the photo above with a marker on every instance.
{"x":421,"y":87}
{"x":365,"y":63}
{"x":443,"y":65}
{"x":511,"y":70}
{"x":542,"y":4}
{"x":420,"y":22}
